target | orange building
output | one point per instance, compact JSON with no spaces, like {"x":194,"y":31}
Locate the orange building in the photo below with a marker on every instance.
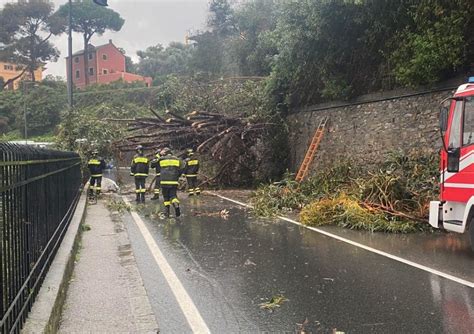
{"x":9,"y":71}
{"x":106,"y":64}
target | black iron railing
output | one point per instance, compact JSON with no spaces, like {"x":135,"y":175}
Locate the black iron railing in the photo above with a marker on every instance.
{"x":39,"y":191}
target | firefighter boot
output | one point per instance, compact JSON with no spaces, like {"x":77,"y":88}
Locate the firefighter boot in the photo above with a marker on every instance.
{"x":177,"y":210}
{"x":91,"y":193}
{"x":142,"y":197}
{"x":138,"y":198}
{"x":167,"y":211}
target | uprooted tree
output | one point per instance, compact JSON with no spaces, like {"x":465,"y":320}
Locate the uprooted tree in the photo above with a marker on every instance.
{"x":236,"y":146}
{"x":240,"y":141}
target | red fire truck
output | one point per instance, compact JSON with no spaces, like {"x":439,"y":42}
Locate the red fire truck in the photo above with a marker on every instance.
{"x":455,"y":209}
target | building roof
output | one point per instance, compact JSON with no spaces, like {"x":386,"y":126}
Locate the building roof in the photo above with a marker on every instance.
{"x":90,"y":48}
{"x":94,"y":48}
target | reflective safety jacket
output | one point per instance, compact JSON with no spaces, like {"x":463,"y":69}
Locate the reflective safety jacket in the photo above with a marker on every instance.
{"x":155,"y":164}
{"x":96,"y":166}
{"x":170,"y":169}
{"x":192,"y":166}
{"x":140,"y":166}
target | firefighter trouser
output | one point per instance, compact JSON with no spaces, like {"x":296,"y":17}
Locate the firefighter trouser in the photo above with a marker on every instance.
{"x":140,"y":187}
{"x":193,"y":185}
{"x":95,"y":184}
{"x":156,"y":191}
{"x":170,"y":195}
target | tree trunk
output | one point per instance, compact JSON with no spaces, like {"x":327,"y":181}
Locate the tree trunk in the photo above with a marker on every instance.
{"x":86,"y":59}
{"x":32,"y":73}
{"x":10,"y":81}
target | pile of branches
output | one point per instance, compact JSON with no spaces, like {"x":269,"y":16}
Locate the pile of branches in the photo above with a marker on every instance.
{"x":227,"y":139}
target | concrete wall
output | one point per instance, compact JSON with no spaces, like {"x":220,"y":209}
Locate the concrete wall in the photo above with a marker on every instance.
{"x":366,"y":131}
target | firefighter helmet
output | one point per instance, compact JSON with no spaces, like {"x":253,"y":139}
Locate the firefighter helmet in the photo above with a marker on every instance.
{"x":139,"y":148}
{"x":95,"y":152}
{"x":165,"y":151}
{"x":190,"y":151}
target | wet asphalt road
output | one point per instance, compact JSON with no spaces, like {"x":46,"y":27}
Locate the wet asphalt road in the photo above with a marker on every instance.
{"x":230,"y":266}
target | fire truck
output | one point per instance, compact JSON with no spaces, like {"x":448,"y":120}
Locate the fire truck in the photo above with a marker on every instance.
{"x":455,"y":209}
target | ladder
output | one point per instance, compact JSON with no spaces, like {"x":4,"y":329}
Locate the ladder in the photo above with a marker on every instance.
{"x":308,"y":158}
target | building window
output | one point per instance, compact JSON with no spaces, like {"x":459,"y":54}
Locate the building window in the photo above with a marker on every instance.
{"x":91,"y":71}
{"x":76,"y":60}
{"x":78,"y":74}
{"x":104,"y":57}
{"x":104,"y":71}
{"x":8,"y":67}
{"x":90,"y":56}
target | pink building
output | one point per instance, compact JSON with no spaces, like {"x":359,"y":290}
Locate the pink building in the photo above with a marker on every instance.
{"x":106,"y":64}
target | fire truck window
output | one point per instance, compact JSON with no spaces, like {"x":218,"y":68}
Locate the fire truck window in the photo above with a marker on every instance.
{"x":455,"y":131}
{"x":468,"y":131}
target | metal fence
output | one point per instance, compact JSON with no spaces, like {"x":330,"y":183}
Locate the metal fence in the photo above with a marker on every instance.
{"x":39,"y":193}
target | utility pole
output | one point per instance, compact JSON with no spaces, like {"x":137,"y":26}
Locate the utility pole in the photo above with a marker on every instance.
{"x":69,"y":64}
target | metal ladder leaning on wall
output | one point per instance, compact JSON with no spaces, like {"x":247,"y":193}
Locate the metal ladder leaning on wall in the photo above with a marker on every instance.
{"x":308,"y":158}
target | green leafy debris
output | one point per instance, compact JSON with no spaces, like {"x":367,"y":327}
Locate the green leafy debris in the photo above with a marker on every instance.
{"x":275,"y":302}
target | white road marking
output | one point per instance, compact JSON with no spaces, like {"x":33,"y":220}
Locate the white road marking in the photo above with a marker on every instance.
{"x":370,"y":249}
{"x":459,"y":185}
{"x":190,"y":311}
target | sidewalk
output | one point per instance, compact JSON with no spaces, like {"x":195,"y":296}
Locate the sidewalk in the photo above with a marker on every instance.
{"x":106,"y":293}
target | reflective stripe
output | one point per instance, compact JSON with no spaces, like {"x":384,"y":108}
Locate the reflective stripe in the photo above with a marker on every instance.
{"x":174,"y":183}
{"x":140,"y":160}
{"x":158,"y":174}
{"x":157,"y":191}
{"x":140,"y":174}
{"x":143,"y":190}
{"x":137,"y":190}
{"x":175,"y":200}
{"x":191,"y":175}
{"x":193,"y":162}
{"x":167,"y":203}
{"x":96,"y":175}
{"x":169,"y":163}
{"x":94,"y":162}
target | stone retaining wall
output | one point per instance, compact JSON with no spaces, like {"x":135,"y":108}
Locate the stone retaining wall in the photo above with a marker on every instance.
{"x":367,"y":131}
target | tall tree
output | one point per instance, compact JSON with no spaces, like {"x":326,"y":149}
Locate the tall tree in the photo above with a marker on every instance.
{"x":157,"y":61}
{"x":89,"y":19}
{"x":221,"y":19}
{"x":26,"y":28}
{"x":211,"y":55}
{"x":251,"y":49}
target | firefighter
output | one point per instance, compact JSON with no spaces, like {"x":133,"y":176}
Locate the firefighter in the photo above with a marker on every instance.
{"x":155,"y":164}
{"x":139,"y":169}
{"x":96,"y":166}
{"x":170,"y":169}
{"x":191,"y":170}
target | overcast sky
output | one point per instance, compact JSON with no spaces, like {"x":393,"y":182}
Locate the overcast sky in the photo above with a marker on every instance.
{"x":147,"y":22}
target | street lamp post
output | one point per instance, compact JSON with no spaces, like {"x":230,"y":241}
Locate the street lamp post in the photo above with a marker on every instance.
{"x":69,"y":65}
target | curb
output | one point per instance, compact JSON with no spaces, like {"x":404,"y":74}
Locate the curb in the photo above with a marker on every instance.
{"x":46,"y":311}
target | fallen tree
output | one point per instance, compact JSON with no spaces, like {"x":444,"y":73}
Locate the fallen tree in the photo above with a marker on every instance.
{"x":235,"y":144}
